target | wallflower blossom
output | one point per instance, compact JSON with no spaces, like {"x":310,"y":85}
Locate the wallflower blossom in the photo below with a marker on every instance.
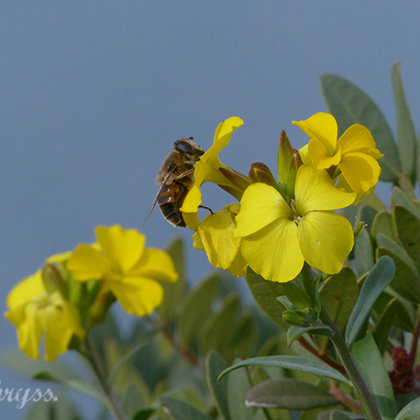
{"x":37,"y":314}
{"x":214,"y":236}
{"x":355,"y":153}
{"x":277,"y":237}
{"x":131,"y":271}
{"x":207,"y":170}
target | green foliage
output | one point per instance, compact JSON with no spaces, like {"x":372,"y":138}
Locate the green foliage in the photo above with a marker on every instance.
{"x":288,"y":393}
{"x":369,"y":361}
{"x":210,"y":352}
{"x":379,"y":277}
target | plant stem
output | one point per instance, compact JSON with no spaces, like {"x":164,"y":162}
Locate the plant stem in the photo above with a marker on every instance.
{"x":92,"y":356}
{"x":320,"y":356}
{"x":365,"y":398}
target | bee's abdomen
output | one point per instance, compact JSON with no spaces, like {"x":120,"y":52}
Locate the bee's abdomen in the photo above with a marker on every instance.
{"x":170,"y":200}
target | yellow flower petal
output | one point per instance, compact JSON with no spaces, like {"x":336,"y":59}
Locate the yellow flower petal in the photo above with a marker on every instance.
{"x":155,"y":264}
{"x":314,"y":190}
{"x":215,"y":236}
{"x":191,"y":220}
{"x":305,"y":156}
{"x":321,"y":126}
{"x":137,"y":295}
{"x":274,"y":251}
{"x":206,"y":169}
{"x":326,"y":239}
{"x":192,"y":200}
{"x":28,"y":329}
{"x":357,"y":138}
{"x":261,"y":204}
{"x":122,"y":246}
{"x":59,"y":321}
{"x":86,"y":263}
{"x":25,"y":290}
{"x":322,"y":158}
{"x":59,"y":258}
{"x":360,"y":170}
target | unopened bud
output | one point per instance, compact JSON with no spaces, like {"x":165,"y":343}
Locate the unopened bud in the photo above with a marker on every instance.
{"x":284,"y":157}
{"x":99,"y":310}
{"x":292,"y":318}
{"x":52,"y":279}
{"x":260,"y":172}
{"x":238,"y":182}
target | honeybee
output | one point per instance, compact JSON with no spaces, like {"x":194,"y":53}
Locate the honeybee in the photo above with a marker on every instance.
{"x":176,"y":177}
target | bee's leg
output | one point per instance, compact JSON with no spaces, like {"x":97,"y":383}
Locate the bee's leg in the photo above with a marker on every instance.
{"x":207,"y":208}
{"x":184,"y":174}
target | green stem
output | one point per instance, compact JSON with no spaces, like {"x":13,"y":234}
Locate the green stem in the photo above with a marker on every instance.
{"x":92,"y":356}
{"x":353,"y":373}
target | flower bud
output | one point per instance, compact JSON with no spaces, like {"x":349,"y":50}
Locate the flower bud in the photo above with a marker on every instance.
{"x":295,"y":164}
{"x":52,"y":280}
{"x":260,"y":172}
{"x":239,"y":182}
{"x":292,"y":318}
{"x":284,"y":157}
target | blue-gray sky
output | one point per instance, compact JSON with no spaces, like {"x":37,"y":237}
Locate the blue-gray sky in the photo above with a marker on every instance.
{"x":93,"y":94}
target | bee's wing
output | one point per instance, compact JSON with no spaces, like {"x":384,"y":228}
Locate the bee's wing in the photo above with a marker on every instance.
{"x":168,"y":175}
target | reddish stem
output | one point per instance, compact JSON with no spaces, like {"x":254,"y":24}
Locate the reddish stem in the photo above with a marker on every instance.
{"x":348,"y":402}
{"x":320,"y":356}
{"x":414,"y":343}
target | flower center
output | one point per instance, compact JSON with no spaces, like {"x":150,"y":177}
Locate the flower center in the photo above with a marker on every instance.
{"x":296,"y":217}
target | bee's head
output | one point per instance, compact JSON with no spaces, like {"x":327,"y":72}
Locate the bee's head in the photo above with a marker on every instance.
{"x":188,"y":147}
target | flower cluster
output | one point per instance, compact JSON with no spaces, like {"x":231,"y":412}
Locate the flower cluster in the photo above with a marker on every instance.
{"x":281,"y":224}
{"x":74,"y":290}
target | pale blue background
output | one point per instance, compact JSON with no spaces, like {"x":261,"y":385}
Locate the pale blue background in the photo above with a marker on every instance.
{"x":93,"y":93}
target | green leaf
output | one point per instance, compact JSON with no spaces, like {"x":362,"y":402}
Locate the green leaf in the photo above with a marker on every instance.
{"x":408,"y":228}
{"x":60,"y":409}
{"x":406,"y":129}
{"x":215,"y":365}
{"x":173,"y":292}
{"x":294,"y":332}
{"x":265,"y":293}
{"x":384,"y":323}
{"x":350,"y":105}
{"x":406,"y":281}
{"x":194,"y":309}
{"x":339,"y":295}
{"x":383,"y":223}
{"x":363,"y":253}
{"x":76,"y":384}
{"x":289,"y":362}
{"x":144,"y":341}
{"x":237,"y":388}
{"x":218,"y":329}
{"x":411,"y":410}
{"x":143,"y":413}
{"x":180,"y":410}
{"x":291,"y":394}
{"x":371,"y":366}
{"x":339,"y":415}
{"x":379,"y":277}
{"x":398,"y":197}
{"x":366,"y":214}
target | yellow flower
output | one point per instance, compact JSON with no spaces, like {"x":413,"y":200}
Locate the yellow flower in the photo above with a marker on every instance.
{"x":35,"y":313}
{"x":130,"y":270}
{"x":207,"y":170}
{"x":277,"y":238}
{"x":215,"y":237}
{"x":354,"y":153}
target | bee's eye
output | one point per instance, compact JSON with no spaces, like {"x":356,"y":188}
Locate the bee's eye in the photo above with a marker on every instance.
{"x":183,"y":146}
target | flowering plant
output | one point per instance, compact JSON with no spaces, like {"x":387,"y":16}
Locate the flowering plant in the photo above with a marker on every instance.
{"x":333,"y":327}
